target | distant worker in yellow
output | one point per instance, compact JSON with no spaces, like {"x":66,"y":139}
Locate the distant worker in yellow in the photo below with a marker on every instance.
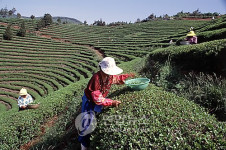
{"x":24,"y":99}
{"x":191,"y":37}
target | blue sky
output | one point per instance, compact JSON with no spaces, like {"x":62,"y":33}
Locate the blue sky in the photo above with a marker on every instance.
{"x":111,"y":10}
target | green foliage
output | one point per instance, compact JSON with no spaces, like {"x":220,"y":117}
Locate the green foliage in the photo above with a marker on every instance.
{"x":40,"y":24}
{"x":32,"y":17}
{"x":22,"y":30}
{"x":18,"y":15}
{"x":8,"y":35}
{"x":99,"y":23}
{"x":45,"y":21}
{"x":154,"y":119}
{"x":2,"y":107}
{"x":206,"y":90}
{"x":57,"y":136}
{"x":125,"y":41}
{"x":207,"y":56}
{"x":48,"y":20}
{"x":213,"y":25}
{"x":166,"y":76}
{"x":44,"y":66}
{"x":212,"y":35}
{"x":173,"y":122}
{"x":195,"y":14}
{"x":24,"y":125}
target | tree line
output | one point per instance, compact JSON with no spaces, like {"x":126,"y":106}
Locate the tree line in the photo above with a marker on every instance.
{"x":5,"y":12}
{"x":179,"y":15}
{"x":196,"y":14}
{"x":42,"y":23}
{"x":152,"y":17}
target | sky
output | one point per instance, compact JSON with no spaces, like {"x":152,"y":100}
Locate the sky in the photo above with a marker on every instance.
{"x":111,"y":10}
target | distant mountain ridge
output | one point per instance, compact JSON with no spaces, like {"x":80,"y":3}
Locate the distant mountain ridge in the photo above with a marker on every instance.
{"x":67,"y":19}
{"x":63,"y":19}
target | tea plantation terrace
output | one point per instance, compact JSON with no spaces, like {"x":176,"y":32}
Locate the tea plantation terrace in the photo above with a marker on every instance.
{"x":55,"y":72}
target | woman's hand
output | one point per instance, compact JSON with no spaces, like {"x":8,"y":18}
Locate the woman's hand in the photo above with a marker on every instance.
{"x":23,"y":107}
{"x":116,"y":103}
{"x":132,"y":75}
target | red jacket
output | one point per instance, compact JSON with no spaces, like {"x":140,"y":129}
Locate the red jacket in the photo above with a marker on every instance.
{"x":97,"y":90}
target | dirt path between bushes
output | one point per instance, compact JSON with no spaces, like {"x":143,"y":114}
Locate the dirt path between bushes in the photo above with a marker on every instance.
{"x":7,"y":105}
{"x":48,"y":124}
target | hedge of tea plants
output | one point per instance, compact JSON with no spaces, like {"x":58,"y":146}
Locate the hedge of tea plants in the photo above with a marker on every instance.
{"x":155,"y":119}
{"x":50,"y":65}
{"x":211,"y":30}
{"x":171,"y":68}
{"x":122,"y":42}
{"x":149,"y":119}
{"x":25,"y":125}
{"x":207,"y":56}
{"x":39,"y":64}
{"x":63,"y":133}
{"x":43,"y":65}
{"x":215,"y":24}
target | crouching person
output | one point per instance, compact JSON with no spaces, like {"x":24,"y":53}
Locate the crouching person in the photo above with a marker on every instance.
{"x":94,"y":97}
{"x":24,"y":99}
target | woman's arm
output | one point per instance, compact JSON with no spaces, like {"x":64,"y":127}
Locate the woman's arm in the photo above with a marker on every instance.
{"x":120,"y":79}
{"x":100,"y":100}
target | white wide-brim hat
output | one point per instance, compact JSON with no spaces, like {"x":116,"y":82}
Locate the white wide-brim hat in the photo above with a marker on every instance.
{"x":109,"y":67}
{"x":23,"y":91}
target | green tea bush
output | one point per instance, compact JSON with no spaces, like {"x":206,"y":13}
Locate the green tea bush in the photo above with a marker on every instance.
{"x":155,"y":119}
{"x":205,"y":57}
{"x":212,"y":35}
{"x":148,"y":119}
{"x":216,"y":24}
{"x":63,"y":132}
{"x":23,"y":126}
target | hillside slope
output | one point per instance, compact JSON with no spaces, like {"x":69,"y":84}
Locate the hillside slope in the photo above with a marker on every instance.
{"x":61,"y":54}
{"x":40,"y":64}
{"x":148,"y":119}
{"x":56,"y":71}
{"x":124,"y":42}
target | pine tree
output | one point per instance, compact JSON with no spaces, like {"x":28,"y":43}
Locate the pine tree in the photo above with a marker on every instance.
{"x":8,"y":35}
{"x":22,"y":31}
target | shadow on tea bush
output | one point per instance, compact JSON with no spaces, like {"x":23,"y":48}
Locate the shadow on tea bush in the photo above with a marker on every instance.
{"x":206,"y":90}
